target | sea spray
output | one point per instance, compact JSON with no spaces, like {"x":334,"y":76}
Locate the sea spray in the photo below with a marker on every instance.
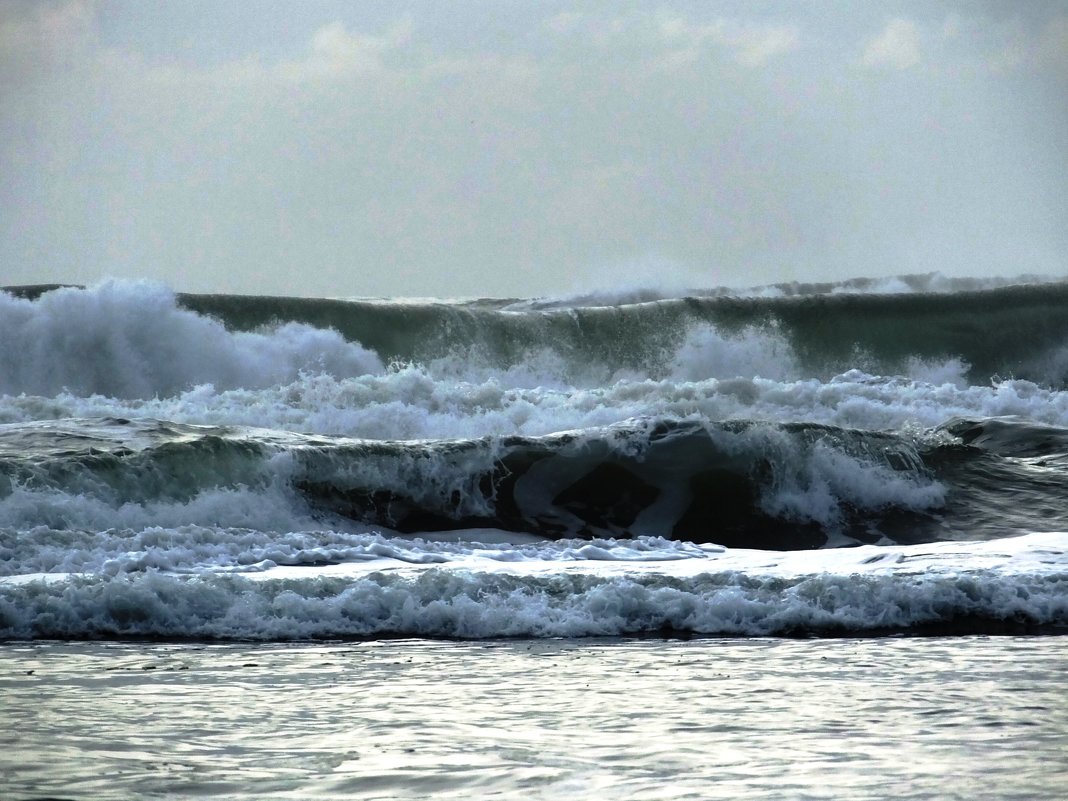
{"x":832,"y":459}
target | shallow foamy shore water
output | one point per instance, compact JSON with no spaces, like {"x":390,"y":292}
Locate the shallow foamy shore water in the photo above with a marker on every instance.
{"x":963,"y":717}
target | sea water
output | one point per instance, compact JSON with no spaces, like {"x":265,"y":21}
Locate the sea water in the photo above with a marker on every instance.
{"x":193,"y":487}
{"x":953,"y":718}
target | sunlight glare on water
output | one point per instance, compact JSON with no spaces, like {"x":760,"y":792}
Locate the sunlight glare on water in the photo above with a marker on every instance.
{"x":765,"y":718}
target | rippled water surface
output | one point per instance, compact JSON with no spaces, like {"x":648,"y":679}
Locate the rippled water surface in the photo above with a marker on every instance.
{"x":867,"y":718}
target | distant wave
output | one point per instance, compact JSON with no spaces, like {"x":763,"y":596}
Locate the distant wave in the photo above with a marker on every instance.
{"x":892,"y":285}
{"x":140,"y":340}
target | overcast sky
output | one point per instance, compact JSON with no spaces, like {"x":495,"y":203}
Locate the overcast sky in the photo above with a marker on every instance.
{"x":520,"y":149}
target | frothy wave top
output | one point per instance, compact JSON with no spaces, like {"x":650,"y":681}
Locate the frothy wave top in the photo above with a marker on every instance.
{"x":132,"y":340}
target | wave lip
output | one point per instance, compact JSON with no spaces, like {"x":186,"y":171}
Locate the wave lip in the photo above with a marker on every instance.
{"x":739,"y":483}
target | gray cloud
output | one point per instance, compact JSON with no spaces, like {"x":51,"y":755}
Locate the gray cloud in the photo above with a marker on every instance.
{"x":407,"y":152}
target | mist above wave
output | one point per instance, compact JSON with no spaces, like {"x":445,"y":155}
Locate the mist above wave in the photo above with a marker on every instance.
{"x":652,"y":291}
{"x":132,"y":340}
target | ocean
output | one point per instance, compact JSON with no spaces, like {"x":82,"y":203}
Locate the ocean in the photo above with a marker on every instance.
{"x":797,"y":541}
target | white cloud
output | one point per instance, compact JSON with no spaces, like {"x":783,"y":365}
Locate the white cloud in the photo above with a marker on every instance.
{"x":748,"y":44}
{"x":898,"y":46}
{"x":338,"y":53}
{"x":754,"y":46}
{"x":751,"y":45}
{"x":333,"y":54}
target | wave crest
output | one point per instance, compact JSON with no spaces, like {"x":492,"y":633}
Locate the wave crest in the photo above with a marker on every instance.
{"x":132,"y":340}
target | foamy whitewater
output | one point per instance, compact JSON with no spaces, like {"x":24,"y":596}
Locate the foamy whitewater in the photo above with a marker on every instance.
{"x":867,"y":457}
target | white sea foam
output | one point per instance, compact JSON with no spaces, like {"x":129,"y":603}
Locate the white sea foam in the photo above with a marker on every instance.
{"x":1023,"y":580}
{"x":409,"y":403}
{"x":131,"y":340}
{"x":798,"y":475}
{"x":815,"y":483}
{"x":755,"y":352}
{"x":654,"y":290}
{"x":128,"y":350}
{"x":273,"y":509}
{"x":101,"y":535}
{"x":205,"y":549}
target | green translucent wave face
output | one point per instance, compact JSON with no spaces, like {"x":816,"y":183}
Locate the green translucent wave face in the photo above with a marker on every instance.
{"x":1009,"y":332}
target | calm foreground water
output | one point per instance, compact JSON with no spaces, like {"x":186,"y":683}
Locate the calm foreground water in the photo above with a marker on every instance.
{"x":966,"y":717}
